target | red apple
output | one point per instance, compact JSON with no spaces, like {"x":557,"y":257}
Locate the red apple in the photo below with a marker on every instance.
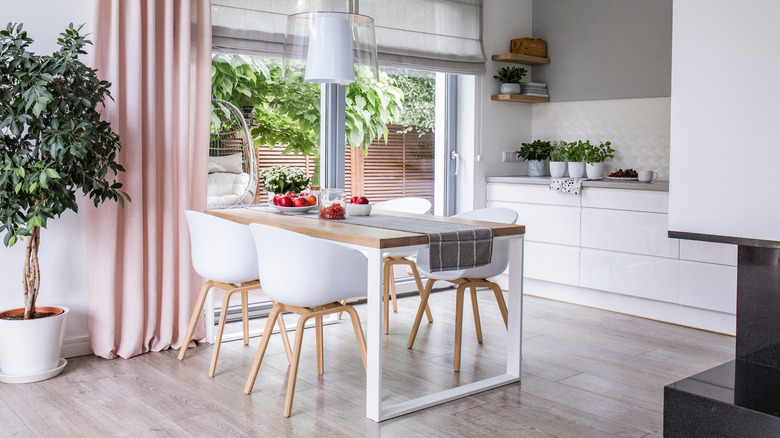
{"x":285,"y":201}
{"x":300,"y":202}
{"x":362,"y":200}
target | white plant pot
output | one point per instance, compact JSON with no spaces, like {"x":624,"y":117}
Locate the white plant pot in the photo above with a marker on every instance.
{"x":557,"y":169}
{"x":577,"y":169}
{"x":594,"y":170}
{"x":509,"y":89}
{"x":535,"y":167}
{"x":30,"y":350}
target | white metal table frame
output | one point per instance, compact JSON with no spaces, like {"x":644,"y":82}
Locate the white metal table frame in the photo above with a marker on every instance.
{"x":375,"y":337}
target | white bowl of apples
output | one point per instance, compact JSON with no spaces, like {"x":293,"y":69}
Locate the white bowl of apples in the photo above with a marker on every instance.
{"x":293,"y":203}
{"x":358,"y":206}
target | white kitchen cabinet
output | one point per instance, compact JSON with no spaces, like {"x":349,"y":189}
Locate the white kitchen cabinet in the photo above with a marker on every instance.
{"x":634,"y":232}
{"x":620,"y":199}
{"x":698,"y":251}
{"x":708,"y":286}
{"x":629,"y":274}
{"x":609,"y":248}
{"x":549,"y":262}
{"x":546,"y":223}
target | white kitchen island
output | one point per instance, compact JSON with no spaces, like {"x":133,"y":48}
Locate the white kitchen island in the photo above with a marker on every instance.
{"x":608,"y":248}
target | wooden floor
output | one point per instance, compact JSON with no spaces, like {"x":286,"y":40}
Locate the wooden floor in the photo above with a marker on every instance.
{"x":586,"y":373}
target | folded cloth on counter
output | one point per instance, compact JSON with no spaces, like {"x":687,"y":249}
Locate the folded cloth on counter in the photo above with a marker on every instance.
{"x":452,"y":246}
{"x":566,"y":185}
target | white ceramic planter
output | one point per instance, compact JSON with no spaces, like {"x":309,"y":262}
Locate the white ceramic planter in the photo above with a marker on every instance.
{"x":535,"y":167}
{"x":509,"y":89}
{"x":30,"y":350}
{"x":594,"y":170}
{"x":577,"y":169}
{"x":557,"y":169}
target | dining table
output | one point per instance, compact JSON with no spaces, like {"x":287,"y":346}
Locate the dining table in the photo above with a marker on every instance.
{"x":375,"y":243}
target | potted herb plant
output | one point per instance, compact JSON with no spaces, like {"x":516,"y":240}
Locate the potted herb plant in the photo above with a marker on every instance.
{"x":53,"y":143}
{"x":535,"y":153}
{"x":510,"y":78}
{"x":595,"y":155}
{"x":575,"y":154}
{"x":558,"y":159}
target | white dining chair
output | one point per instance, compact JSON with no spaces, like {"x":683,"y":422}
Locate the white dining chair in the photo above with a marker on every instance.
{"x":403,"y":205}
{"x":333,"y":273}
{"x":223,"y":252}
{"x":469,"y":278}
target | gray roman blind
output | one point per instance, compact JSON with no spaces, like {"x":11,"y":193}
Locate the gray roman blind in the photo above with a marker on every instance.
{"x":439,"y":35}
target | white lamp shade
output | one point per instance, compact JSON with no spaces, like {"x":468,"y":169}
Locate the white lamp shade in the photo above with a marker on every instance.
{"x":329,"y":55}
{"x":328,"y":46}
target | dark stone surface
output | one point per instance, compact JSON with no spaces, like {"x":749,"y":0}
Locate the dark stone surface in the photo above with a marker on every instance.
{"x":716,"y":404}
{"x":716,"y":238}
{"x":740,"y":398}
{"x":758,"y":305}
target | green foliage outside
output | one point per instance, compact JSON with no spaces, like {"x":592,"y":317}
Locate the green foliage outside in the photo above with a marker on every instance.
{"x":288,"y":113}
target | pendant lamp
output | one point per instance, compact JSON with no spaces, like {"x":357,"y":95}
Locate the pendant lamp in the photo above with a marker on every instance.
{"x":327,"y":46}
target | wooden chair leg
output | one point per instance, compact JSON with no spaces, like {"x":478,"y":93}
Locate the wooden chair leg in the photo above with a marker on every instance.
{"x":423,"y":304}
{"x":458,"y":325}
{"x":320,"y":353}
{"x":245,"y":315}
{"x":418,"y":280}
{"x":294,"y":366}
{"x":391,"y":278}
{"x":204,"y":291}
{"x":386,"y":296}
{"x":220,"y":330}
{"x":276,"y":311}
{"x":285,"y":338}
{"x":501,"y":303}
{"x":361,"y":339}
{"x":475,"y":307}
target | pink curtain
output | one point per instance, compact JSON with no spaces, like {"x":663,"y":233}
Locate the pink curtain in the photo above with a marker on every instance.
{"x":157,"y":54}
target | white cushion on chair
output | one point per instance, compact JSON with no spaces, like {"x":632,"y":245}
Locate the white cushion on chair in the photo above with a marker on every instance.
{"x":227,"y":164}
{"x":229,"y":189}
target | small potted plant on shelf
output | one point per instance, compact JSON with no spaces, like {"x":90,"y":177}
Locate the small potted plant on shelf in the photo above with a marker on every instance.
{"x":535,"y":153}
{"x":53,"y":144}
{"x":283,"y":179}
{"x":575,"y":154}
{"x":510,"y":78}
{"x":595,"y":155}
{"x":558,"y":159}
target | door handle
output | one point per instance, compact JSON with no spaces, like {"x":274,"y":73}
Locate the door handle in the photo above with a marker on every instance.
{"x":454,"y":155}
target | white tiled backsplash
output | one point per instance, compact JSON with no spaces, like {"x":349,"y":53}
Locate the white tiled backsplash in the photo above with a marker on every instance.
{"x":637,"y":128}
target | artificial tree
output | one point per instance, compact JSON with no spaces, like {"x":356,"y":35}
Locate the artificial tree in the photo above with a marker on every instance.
{"x":53,"y":141}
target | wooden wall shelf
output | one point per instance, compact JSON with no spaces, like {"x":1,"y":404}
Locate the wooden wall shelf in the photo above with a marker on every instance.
{"x":519,"y":98}
{"x":521,"y":59}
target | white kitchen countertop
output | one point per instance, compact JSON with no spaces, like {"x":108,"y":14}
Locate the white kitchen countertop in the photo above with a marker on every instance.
{"x":657,"y":185}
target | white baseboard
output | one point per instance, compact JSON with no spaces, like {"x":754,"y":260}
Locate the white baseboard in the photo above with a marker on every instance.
{"x":76,"y":347}
{"x":679,"y":314}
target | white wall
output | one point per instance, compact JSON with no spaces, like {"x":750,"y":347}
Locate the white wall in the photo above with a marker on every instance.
{"x":724,"y":118}
{"x":500,"y":126}
{"x":62,"y":249}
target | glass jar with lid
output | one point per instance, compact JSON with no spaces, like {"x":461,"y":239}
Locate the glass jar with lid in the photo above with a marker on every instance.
{"x":332,"y":204}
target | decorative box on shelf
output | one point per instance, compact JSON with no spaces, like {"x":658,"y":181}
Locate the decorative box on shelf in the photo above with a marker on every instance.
{"x":529,"y":46}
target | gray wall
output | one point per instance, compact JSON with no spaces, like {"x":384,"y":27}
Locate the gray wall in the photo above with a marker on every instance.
{"x":605,"y":49}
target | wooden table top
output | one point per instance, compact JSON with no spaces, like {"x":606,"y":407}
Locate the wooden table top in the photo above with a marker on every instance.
{"x":350,"y":233}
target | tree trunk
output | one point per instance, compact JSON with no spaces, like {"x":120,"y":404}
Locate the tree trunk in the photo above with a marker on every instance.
{"x":32,"y":273}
